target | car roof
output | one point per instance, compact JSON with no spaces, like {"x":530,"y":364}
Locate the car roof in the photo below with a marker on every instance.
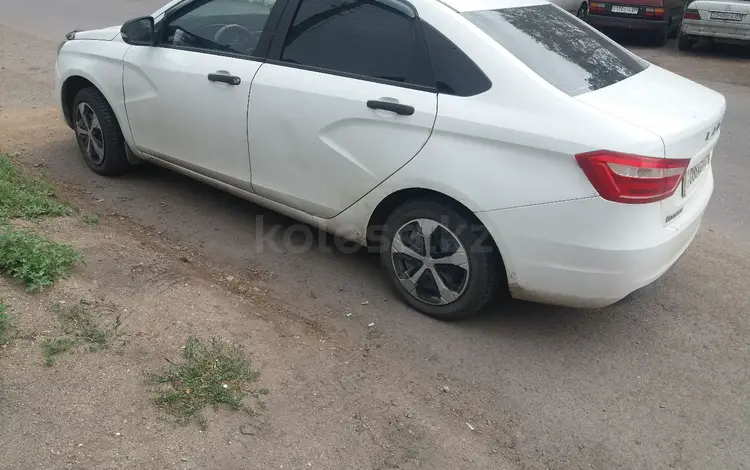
{"x":476,"y":5}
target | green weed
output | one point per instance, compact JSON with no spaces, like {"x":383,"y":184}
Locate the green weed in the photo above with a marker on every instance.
{"x":34,"y":260}
{"x":79,"y":324}
{"x":23,"y":196}
{"x":51,"y":348}
{"x":210,"y":374}
{"x":91,"y":219}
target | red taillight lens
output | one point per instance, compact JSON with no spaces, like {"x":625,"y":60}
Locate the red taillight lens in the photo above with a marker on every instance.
{"x":692,"y":15}
{"x":654,"y":12}
{"x":632,"y":179}
{"x":597,"y":7}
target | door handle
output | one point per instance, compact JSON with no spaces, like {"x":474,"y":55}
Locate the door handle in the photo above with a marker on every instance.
{"x":224,"y":78}
{"x":397,"y":108}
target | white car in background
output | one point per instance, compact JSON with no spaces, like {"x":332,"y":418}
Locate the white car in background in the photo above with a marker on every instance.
{"x":476,"y":144}
{"x":725,"y":20}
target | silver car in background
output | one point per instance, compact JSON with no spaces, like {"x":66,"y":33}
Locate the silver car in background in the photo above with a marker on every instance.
{"x":725,"y":20}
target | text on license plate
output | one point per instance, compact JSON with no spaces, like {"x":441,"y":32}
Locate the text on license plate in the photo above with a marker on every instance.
{"x":628,"y":10}
{"x":692,"y":174}
{"x":721,"y":15}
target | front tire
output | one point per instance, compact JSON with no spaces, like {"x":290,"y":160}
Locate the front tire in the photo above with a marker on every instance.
{"x":438,"y":260}
{"x":98,"y":133}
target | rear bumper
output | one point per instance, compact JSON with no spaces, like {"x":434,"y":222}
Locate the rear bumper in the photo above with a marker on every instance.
{"x":590,"y":253}
{"x":705,"y":29}
{"x":618,"y":22}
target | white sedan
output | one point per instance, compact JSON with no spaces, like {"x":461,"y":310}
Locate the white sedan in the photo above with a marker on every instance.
{"x":473,"y":149}
{"x":723,"y":20}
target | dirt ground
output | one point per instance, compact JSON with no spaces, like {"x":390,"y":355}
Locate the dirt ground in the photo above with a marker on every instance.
{"x":332,"y":403}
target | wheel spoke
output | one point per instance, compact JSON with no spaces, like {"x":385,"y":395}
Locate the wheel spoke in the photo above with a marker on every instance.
{"x":410,"y":283}
{"x":427,"y":227}
{"x":459,"y":258}
{"x":95,"y":122}
{"x":99,"y":149}
{"x":89,"y":146}
{"x":81,"y":130}
{"x":82,"y":111}
{"x":446,"y":295}
{"x":398,"y":247}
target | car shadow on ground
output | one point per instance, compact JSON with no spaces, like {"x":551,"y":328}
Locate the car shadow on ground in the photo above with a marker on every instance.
{"x":234,"y":221}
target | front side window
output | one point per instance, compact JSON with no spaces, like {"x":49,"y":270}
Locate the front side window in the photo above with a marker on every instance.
{"x":367,"y":38}
{"x":229,"y":26}
{"x":558,"y":47}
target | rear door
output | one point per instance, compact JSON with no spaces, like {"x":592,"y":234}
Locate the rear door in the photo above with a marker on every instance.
{"x":346,"y":98}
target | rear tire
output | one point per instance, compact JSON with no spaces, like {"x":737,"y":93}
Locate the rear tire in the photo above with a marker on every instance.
{"x":660,"y":37}
{"x":98,"y":133}
{"x":583,"y":11}
{"x":673,"y":32}
{"x":685,"y":42}
{"x":468,"y":277}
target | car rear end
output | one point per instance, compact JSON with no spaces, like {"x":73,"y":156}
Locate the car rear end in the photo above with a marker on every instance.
{"x":726,"y":20}
{"x":648,"y":16}
{"x":647,"y":204}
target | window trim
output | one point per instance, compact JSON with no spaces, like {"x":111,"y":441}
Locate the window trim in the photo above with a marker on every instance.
{"x":261,"y":50}
{"x":432,"y":67}
{"x":285,"y":24}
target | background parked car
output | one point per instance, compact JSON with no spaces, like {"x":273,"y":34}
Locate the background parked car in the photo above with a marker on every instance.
{"x":576,"y":7}
{"x":725,"y":20}
{"x":659,"y":19}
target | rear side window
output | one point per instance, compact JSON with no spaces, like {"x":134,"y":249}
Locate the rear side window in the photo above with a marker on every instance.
{"x":455,"y":73}
{"x":374,"y":39}
{"x":558,"y":47}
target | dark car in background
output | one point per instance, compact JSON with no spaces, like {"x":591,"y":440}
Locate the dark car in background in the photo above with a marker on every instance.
{"x":657,"y":19}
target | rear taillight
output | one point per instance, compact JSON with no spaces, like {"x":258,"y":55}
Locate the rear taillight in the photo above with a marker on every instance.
{"x":654,"y":12}
{"x":632,"y":179}
{"x":597,"y":7}
{"x":692,"y":15}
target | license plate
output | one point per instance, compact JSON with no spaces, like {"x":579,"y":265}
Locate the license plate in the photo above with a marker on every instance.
{"x":692,"y":174}
{"x":722,"y":15}
{"x":628,"y":10}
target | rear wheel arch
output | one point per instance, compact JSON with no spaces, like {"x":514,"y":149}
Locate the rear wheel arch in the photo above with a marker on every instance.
{"x":485,"y":273}
{"x":389,"y":204}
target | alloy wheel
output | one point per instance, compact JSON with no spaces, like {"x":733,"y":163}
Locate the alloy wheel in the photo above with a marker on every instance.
{"x":430,"y":261}
{"x":89,"y":134}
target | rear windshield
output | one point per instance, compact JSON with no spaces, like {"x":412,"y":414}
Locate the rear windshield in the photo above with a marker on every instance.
{"x":558,"y":47}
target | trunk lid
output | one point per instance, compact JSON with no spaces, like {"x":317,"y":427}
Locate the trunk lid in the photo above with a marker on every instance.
{"x":725,"y":13}
{"x":685,"y":115}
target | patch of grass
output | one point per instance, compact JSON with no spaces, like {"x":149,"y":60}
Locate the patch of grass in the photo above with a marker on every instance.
{"x":34,"y":260}
{"x":6,"y":327}
{"x":24,"y":196}
{"x":51,"y":348}
{"x":82,"y":329}
{"x":215,"y":373}
{"x":91,"y":219}
{"x":79,"y":321}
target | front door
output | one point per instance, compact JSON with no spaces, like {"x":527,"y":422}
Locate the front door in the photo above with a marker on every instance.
{"x":186,"y":97}
{"x":345,"y":100}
